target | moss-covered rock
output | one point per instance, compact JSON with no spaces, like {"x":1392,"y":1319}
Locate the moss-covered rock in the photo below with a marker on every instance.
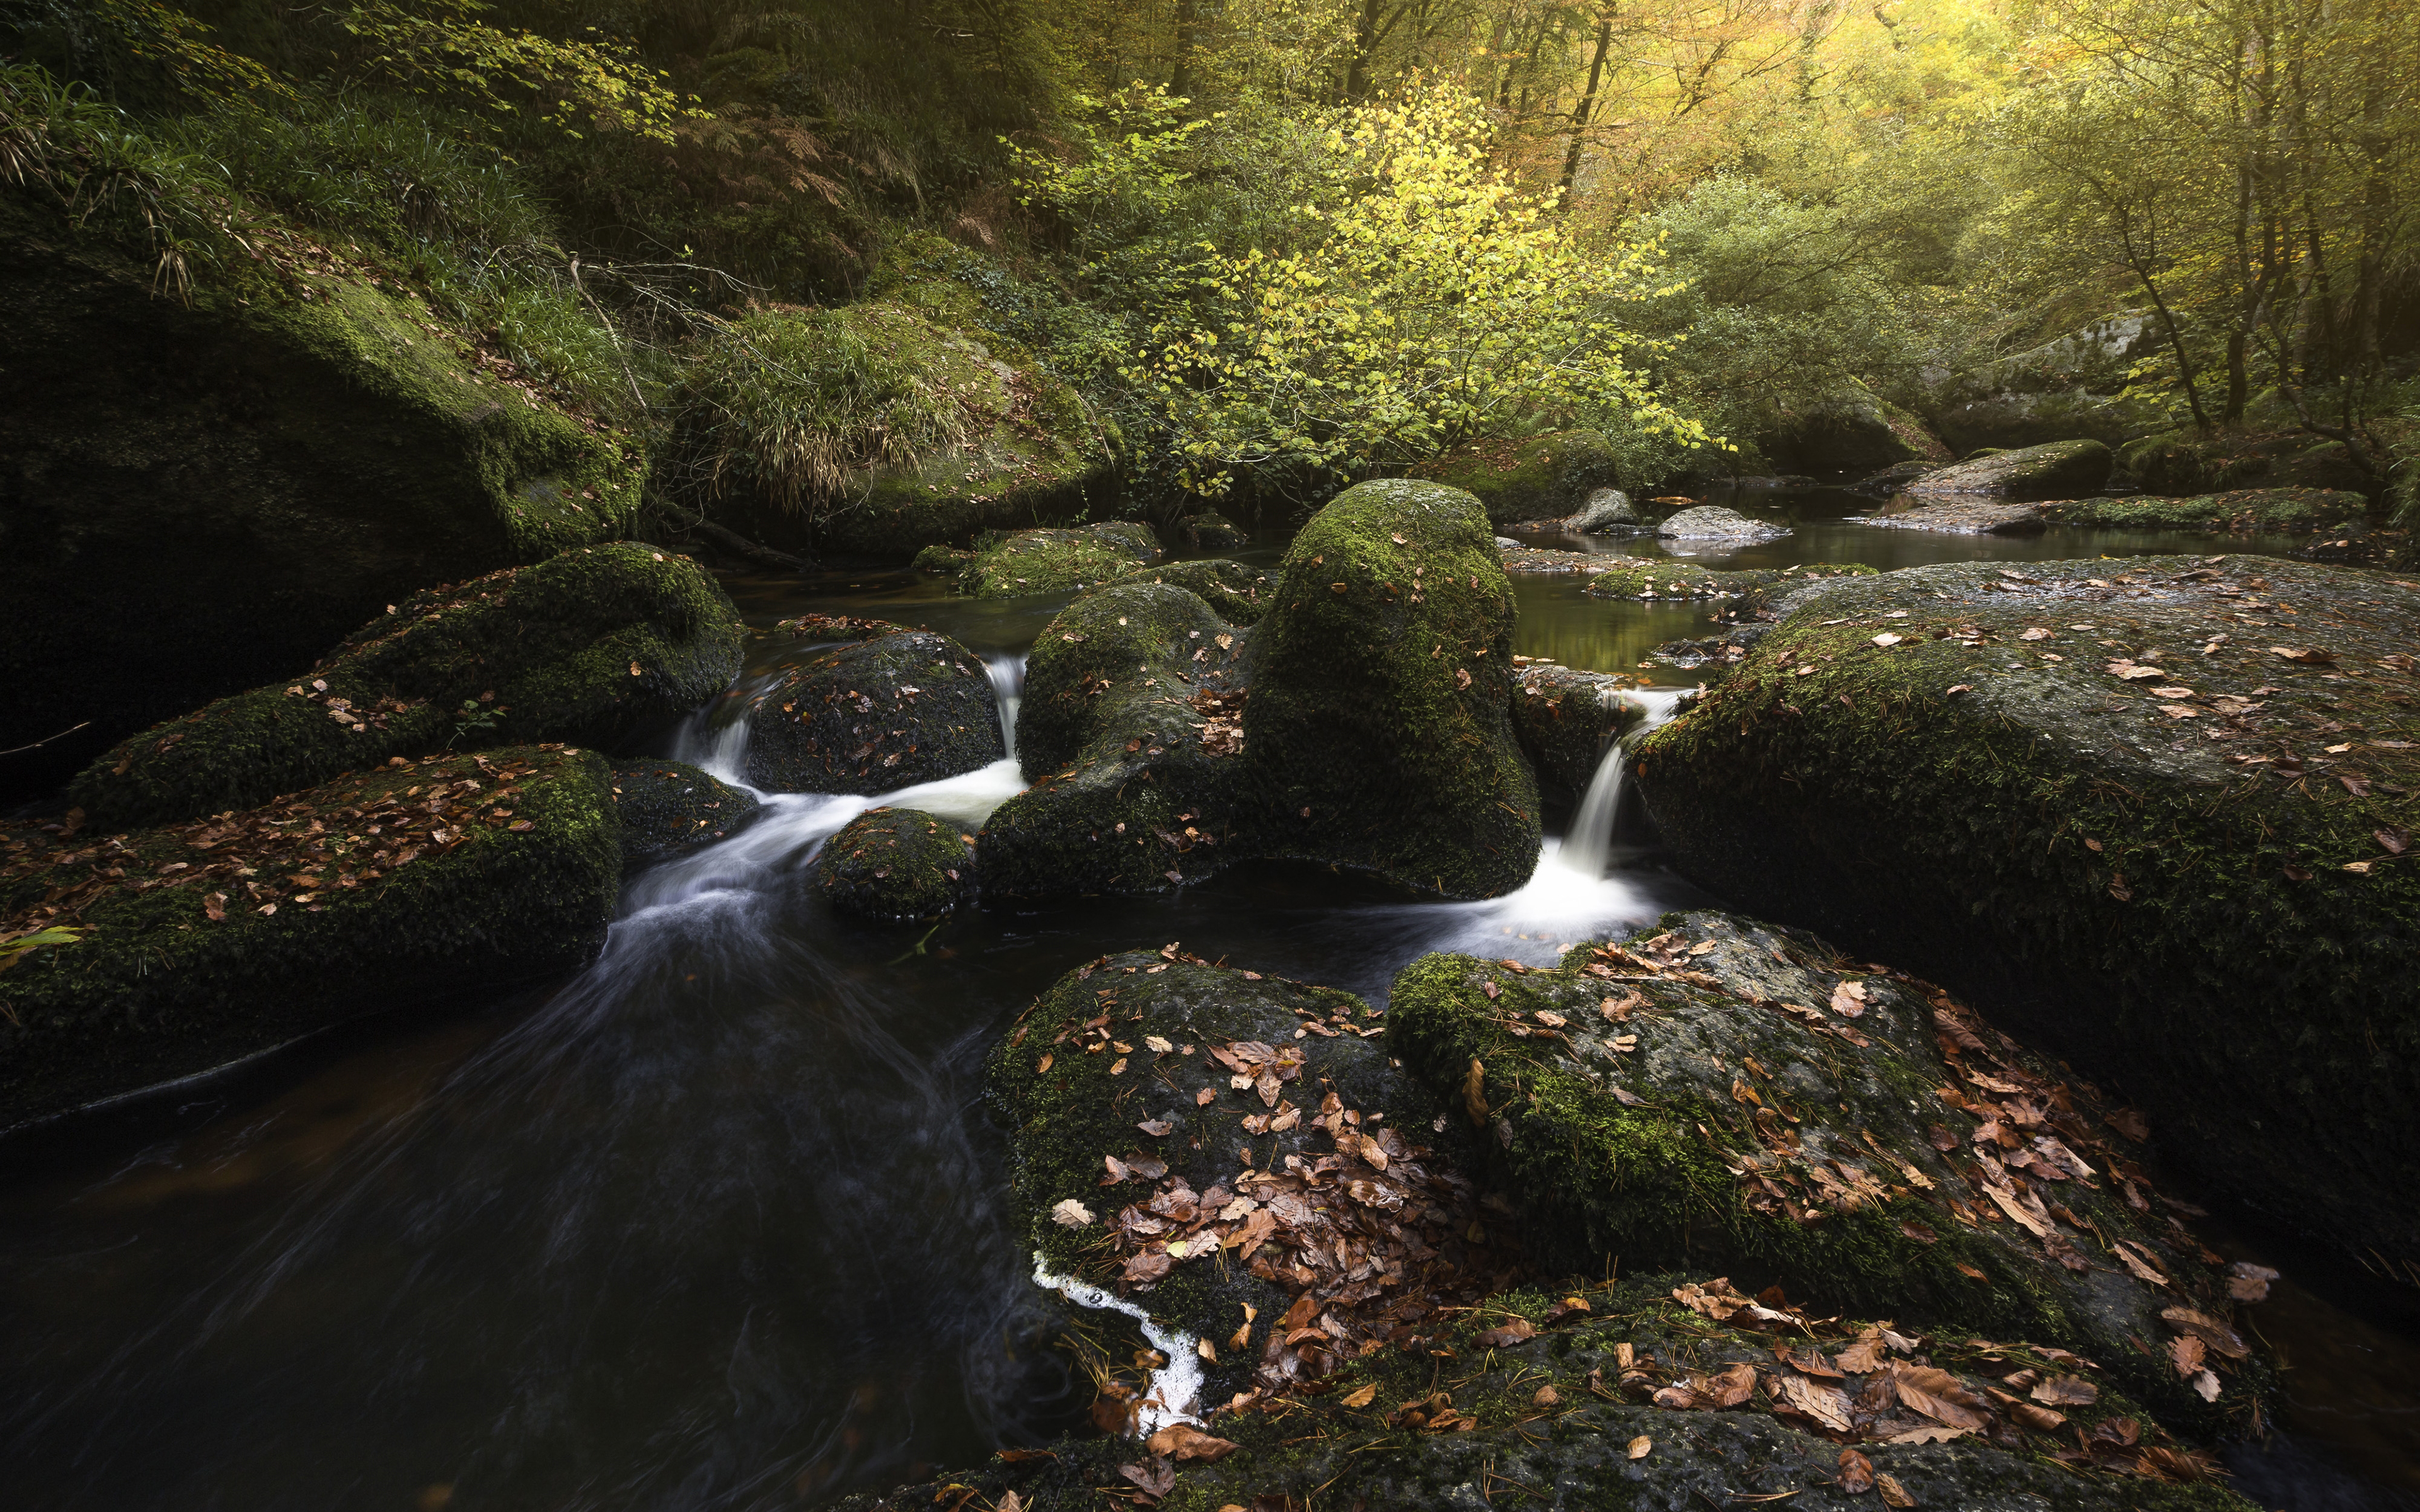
{"x":1052,"y":561}
{"x":896,"y":864}
{"x":2175,"y":854}
{"x":1645,"y":577}
{"x":2243,"y":510}
{"x":1210,"y":531}
{"x":1542,"y":478}
{"x":873,"y":709}
{"x":1237,"y":594}
{"x":1128,"y":730}
{"x":1850,"y":429}
{"x":1378,"y":730}
{"x":1565,"y":719}
{"x":2058,"y":469}
{"x":201,"y":498}
{"x":594,"y":646}
{"x":669,"y":808}
{"x":1751,"y":1100}
{"x":212,"y":940}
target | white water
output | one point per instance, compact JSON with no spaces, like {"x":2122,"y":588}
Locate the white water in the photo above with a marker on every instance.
{"x":1590,"y":845}
{"x":1176,"y":1387}
{"x":1007,"y":674}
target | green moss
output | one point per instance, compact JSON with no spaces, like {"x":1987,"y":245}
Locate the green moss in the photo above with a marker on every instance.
{"x":670,"y":807}
{"x":1052,"y":561}
{"x":1541,"y":478}
{"x":594,"y":644}
{"x":1565,"y":719}
{"x":1646,"y":577}
{"x":2197,"y":903}
{"x":1377,"y":732}
{"x":874,"y":709}
{"x":350,"y":925}
{"x":2242,"y":509}
{"x":1237,"y":594}
{"x":896,"y":864}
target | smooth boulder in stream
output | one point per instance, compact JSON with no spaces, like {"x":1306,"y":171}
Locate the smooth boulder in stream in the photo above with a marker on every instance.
{"x":896,"y":864}
{"x":872,"y":707}
{"x":2057,"y":470}
{"x":2154,"y":814}
{"x":670,"y":809}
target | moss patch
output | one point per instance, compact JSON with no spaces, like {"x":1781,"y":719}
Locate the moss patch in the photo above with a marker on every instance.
{"x":896,"y":864}
{"x":214,"y":939}
{"x":1237,"y":594}
{"x":670,"y":807}
{"x":595,"y":644}
{"x":2173,"y":852}
{"x":1050,"y":561}
{"x":2242,"y":511}
{"x":1543,"y":477}
{"x":1378,"y":732}
{"x":873,"y":713}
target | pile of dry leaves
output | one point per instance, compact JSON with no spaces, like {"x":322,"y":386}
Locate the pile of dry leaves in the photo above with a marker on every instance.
{"x":1222,"y":719}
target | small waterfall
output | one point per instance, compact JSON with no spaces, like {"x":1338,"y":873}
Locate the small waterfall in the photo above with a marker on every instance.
{"x":723,"y":752}
{"x":1007,"y":689}
{"x":1590,"y":845}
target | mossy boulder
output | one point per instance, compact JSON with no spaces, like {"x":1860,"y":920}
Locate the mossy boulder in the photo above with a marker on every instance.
{"x":1543,"y":477}
{"x":1747,"y":1099}
{"x":1129,"y":730}
{"x":669,"y":808}
{"x":595,"y":645}
{"x":2168,"y":843}
{"x":896,"y":864}
{"x":873,"y":708}
{"x":2057,"y":470}
{"x":1848,"y":429}
{"x":202,"y":498}
{"x":1028,"y":562}
{"x":2240,"y":511}
{"x":1237,"y":594}
{"x":1379,"y":732}
{"x":401,"y":884}
{"x":1565,"y":718}
{"x":1647,"y":577}
{"x":1210,"y":531}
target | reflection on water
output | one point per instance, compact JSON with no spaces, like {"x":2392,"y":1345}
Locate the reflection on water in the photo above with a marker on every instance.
{"x":719,"y":1225}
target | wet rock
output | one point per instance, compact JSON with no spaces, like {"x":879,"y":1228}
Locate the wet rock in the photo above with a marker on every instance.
{"x":1713,"y":522}
{"x":1872,"y":1145}
{"x":1606,"y":510}
{"x":1544,"y":477}
{"x":873,"y":715}
{"x":1719,"y":650}
{"x":2060,"y":469}
{"x":2174,"y":852}
{"x":598,"y":645}
{"x":1547,"y":559}
{"x":1958,"y":516}
{"x":1210,"y":531}
{"x":1053,"y":560}
{"x":1129,"y":731}
{"x":1237,"y":594}
{"x":1377,"y":733}
{"x":896,"y":864}
{"x":2242,"y":511}
{"x":210,"y":940}
{"x":204,"y":496}
{"x":1897,"y":476}
{"x":1565,"y":718}
{"x":668,"y":809}
{"x":1649,"y":577}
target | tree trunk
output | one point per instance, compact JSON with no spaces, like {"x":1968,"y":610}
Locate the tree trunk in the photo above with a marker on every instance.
{"x":1586,"y":107}
{"x":1188,"y":38}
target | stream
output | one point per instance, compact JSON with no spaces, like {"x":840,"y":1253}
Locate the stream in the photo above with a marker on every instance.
{"x":719,"y":1222}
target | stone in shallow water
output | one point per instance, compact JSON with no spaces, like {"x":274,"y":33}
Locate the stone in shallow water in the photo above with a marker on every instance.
{"x":2059,"y":469}
{"x":1713,"y":522}
{"x":1606,"y":509}
{"x":671,"y":808}
{"x":873,"y":715}
{"x":896,"y":864}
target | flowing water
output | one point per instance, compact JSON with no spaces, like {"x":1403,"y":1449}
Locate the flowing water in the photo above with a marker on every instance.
{"x":717,"y":1223}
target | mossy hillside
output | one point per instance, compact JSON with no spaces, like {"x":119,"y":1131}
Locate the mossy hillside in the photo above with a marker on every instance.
{"x":336,"y":901}
{"x":2239,"y":511}
{"x":1568,"y":1449}
{"x":263,"y":468}
{"x":1700,"y":1121}
{"x":873,"y":715}
{"x":896,"y":864}
{"x":1541,"y":478}
{"x":1378,"y":735}
{"x":1565,"y":719}
{"x":668,"y":809}
{"x":596,"y":645}
{"x":1237,"y":594}
{"x":1648,"y":578}
{"x":2184,"y":879}
{"x":2057,"y":470}
{"x":1126,"y":731}
{"x":1028,"y":562}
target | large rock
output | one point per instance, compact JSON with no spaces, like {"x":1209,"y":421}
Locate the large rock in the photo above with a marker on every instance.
{"x":1378,"y":730}
{"x":1713,"y":522}
{"x":2175,"y":854}
{"x":1850,"y":429}
{"x":596,"y":645}
{"x":1565,"y":719}
{"x":894,"y":864}
{"x":872,"y":708}
{"x":670,"y":809}
{"x":211,"y":940}
{"x":202,"y":498}
{"x":2242,"y":511}
{"x":2069,"y":387}
{"x":1542,"y":478}
{"x":2060,"y":469}
{"x":1210,"y":531}
{"x":1026,"y":563}
{"x":1608,"y":510}
{"x":1873,"y":1145}
{"x":1237,"y":594}
{"x":1128,"y":730}
{"x":1965,"y":515}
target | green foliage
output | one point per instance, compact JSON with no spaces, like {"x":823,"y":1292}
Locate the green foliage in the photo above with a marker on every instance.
{"x":16,"y":948}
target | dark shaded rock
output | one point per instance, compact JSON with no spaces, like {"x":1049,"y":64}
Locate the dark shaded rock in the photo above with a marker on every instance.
{"x":1544,"y":477}
{"x":896,"y":864}
{"x":1565,"y":718}
{"x":1237,"y":594}
{"x":1377,"y":733}
{"x":410,"y":882}
{"x":873,"y":715}
{"x":1851,"y":429}
{"x":2060,"y":469}
{"x":1210,"y":531}
{"x":669,"y":808}
{"x":1713,"y":522}
{"x":2242,"y":511}
{"x":2069,"y":387}
{"x":598,"y":645}
{"x":1891,"y":479}
{"x":2174,"y":854}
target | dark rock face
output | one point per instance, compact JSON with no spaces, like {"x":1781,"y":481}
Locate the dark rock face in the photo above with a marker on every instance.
{"x":596,"y":645}
{"x":1210,"y":531}
{"x":1850,"y":430}
{"x":2171,"y":854}
{"x":407,"y":884}
{"x":1237,"y":594}
{"x":892,"y":864}
{"x":201,"y":499}
{"x":1544,"y":477}
{"x":2059,"y":469}
{"x":669,"y":808}
{"x":1565,"y":718}
{"x":875,"y":715}
{"x":2067,"y":388}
